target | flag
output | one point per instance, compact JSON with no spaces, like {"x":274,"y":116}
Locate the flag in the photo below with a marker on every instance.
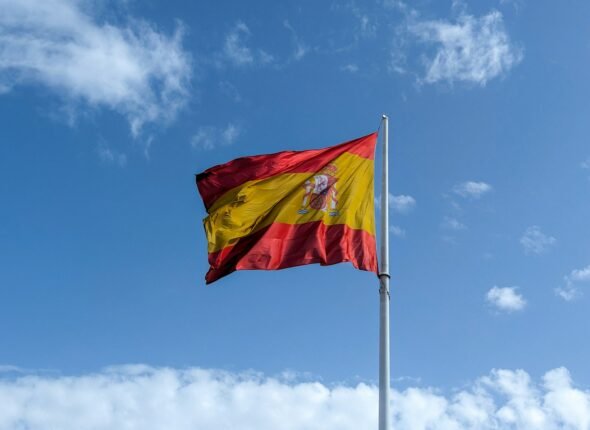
{"x":291,"y":208}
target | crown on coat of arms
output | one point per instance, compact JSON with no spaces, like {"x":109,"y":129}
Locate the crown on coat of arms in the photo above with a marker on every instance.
{"x":330,"y":170}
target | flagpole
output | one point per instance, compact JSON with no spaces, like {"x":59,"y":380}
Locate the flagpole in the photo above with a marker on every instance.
{"x":384,"y":415}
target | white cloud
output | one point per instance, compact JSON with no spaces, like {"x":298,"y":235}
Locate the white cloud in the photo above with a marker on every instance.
{"x":565,"y":403}
{"x":352,"y":68}
{"x":111,"y":156}
{"x":397,"y":5}
{"x":453,"y":224}
{"x":234,"y":48}
{"x":472,"y":189}
{"x":398,"y":54}
{"x":301,"y":49}
{"x":534,"y":241}
{"x":401,"y":203}
{"x":130,"y":68}
{"x":580,"y":275}
{"x":570,"y":290}
{"x":237,"y":52}
{"x":458,"y":6}
{"x":397,"y":231}
{"x":147,"y":398}
{"x":516,"y":4}
{"x":367,"y":27}
{"x":471,"y":49}
{"x":506,"y":299}
{"x":212,"y":137}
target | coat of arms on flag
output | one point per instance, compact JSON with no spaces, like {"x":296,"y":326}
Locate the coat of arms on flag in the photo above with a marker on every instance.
{"x":320,"y":192}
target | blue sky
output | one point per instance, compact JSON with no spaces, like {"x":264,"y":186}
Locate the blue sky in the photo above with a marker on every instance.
{"x":110,"y":107}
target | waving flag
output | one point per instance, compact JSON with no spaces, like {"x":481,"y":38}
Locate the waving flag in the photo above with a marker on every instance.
{"x":270,"y":212}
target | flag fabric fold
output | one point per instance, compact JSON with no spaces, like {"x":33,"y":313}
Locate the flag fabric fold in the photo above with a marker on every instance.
{"x":274,"y":211}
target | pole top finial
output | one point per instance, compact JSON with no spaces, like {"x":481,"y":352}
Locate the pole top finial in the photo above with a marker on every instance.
{"x":384,"y":116}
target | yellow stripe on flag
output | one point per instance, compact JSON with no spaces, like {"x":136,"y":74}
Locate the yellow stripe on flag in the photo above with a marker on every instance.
{"x":281,"y":199}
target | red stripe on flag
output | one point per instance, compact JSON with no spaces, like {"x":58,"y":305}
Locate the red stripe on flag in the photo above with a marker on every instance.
{"x":288,"y":245}
{"x":217,"y":180}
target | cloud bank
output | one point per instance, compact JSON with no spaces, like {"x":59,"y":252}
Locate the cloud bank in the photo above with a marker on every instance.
{"x":133,"y":69}
{"x":147,"y":398}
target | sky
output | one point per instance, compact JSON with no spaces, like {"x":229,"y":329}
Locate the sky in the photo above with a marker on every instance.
{"x":110,"y":107}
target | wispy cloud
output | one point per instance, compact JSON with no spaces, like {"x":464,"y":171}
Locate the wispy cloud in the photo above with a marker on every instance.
{"x":237,"y":51}
{"x":301,"y":50}
{"x":580,"y":275}
{"x":125,"y":397}
{"x":131,"y":68}
{"x":472,"y":189}
{"x":212,"y":137}
{"x":570,"y":290}
{"x":469,"y":49}
{"x":506,"y":299}
{"x":451,"y":223}
{"x":397,"y":231}
{"x":516,"y":4}
{"x":402,"y":203}
{"x":351,"y":68}
{"x":110,"y":156}
{"x":534,"y":241}
{"x":366,"y":24}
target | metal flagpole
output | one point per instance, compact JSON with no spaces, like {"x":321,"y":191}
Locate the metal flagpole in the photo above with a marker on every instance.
{"x":384,"y":289}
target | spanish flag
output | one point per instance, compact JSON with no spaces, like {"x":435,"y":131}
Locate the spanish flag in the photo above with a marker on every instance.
{"x":270,"y":212}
